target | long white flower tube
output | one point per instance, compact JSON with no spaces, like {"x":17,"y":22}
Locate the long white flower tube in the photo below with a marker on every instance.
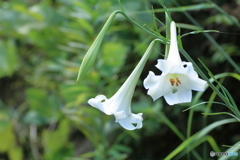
{"x":178,"y":78}
{"x":120,"y":103}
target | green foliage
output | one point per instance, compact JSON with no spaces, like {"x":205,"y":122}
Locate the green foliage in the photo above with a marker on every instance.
{"x":8,"y":139}
{"x":112,"y":59}
{"x":43,"y":108}
{"x":8,"y":58}
{"x":55,"y":143}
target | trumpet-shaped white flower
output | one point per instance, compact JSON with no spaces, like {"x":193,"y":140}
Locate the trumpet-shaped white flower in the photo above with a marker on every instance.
{"x":177,"y":79}
{"x":120,"y":103}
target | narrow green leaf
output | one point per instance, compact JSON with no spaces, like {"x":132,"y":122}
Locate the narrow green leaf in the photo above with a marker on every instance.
{"x":212,"y":76}
{"x":209,"y":139}
{"x":196,"y":32}
{"x":88,"y":155}
{"x":203,"y":103}
{"x":233,"y":148}
{"x":163,"y":39}
{"x":166,"y":10}
{"x":197,"y":136}
{"x":153,"y":31}
{"x":184,"y":8}
{"x":188,"y":26}
{"x":210,"y":114}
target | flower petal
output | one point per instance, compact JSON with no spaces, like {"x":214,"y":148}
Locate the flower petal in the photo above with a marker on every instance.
{"x":97,"y":102}
{"x":164,"y":65}
{"x":119,"y":115}
{"x":181,"y":68}
{"x":151,"y":80}
{"x":128,"y":120}
{"x":181,"y":96}
{"x":198,"y":85}
{"x":157,"y":85}
{"x":173,"y":54}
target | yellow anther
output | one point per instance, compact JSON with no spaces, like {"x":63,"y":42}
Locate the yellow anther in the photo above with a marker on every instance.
{"x":178,"y":81}
{"x":172,"y":81}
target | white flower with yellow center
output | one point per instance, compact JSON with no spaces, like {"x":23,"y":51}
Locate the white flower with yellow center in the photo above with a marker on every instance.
{"x":178,"y":78}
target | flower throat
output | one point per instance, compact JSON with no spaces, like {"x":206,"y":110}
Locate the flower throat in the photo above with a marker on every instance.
{"x":175,"y":82}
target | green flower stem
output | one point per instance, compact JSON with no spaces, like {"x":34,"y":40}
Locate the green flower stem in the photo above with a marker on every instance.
{"x":164,"y":40}
{"x":189,"y":128}
{"x":189,"y":124}
{"x":133,"y":78}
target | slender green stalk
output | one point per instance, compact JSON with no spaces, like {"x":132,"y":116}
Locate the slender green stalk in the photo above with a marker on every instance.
{"x":197,"y":32}
{"x":172,"y":126}
{"x":164,"y":40}
{"x":211,"y":99}
{"x":207,"y":109}
{"x":218,"y":113}
{"x":189,"y":128}
{"x":154,"y":20}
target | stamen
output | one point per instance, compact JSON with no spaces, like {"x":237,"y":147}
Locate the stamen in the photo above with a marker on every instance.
{"x":178,"y":81}
{"x":172,"y":81}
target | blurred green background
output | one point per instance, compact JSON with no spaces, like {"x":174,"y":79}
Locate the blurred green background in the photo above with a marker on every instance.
{"x":43,"y":111}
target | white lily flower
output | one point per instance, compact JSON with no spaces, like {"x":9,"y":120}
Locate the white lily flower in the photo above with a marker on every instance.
{"x":120,"y":103}
{"x":177,"y":79}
